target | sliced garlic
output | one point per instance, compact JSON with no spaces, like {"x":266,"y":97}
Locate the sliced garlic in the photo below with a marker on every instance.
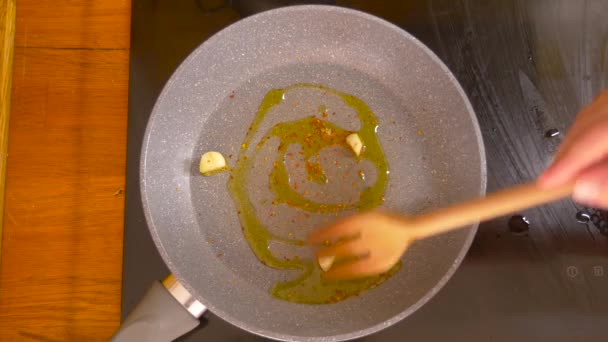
{"x":326,"y":262}
{"x":354,"y":141}
{"x":212,"y":162}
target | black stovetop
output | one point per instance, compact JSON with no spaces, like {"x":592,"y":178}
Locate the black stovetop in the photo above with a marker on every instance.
{"x":527,"y":66}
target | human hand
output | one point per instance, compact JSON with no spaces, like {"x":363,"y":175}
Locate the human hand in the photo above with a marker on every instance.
{"x":583,"y":156}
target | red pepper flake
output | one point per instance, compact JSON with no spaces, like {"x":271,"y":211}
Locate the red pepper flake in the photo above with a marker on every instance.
{"x":297,"y":164}
{"x":324,"y":115}
{"x":295,"y":185}
{"x":229,"y":156}
{"x":220,"y":255}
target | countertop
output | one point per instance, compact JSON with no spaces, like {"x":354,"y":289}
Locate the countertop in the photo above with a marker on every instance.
{"x":64,"y":205}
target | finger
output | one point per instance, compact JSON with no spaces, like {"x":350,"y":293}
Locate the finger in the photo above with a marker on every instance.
{"x":587,"y":117}
{"x":602,"y":97}
{"x":592,"y":186}
{"x":585,"y":121}
{"x":587,"y":150}
{"x":360,"y":268}
{"x":346,"y":249}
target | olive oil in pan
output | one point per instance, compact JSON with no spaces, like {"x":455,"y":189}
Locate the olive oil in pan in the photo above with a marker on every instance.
{"x":312,"y":134}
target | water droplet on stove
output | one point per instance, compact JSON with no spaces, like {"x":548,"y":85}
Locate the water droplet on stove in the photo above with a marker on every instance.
{"x":551,"y":133}
{"x":529,"y":57}
{"x":583,"y":217}
{"x":518,"y":224}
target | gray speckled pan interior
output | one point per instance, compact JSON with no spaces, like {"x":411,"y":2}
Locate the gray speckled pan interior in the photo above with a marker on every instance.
{"x":426,"y":126}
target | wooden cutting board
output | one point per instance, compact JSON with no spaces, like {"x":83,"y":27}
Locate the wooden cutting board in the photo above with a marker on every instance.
{"x":7,"y":38}
{"x":60,"y":270}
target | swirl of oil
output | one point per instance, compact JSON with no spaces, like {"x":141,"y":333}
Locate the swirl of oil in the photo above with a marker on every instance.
{"x":312,"y":134}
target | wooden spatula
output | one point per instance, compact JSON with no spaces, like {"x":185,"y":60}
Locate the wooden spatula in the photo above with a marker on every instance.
{"x":371,"y":243}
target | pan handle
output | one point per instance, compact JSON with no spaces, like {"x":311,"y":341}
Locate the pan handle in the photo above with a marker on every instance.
{"x":165,"y":313}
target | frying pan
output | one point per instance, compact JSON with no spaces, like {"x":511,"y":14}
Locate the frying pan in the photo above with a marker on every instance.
{"x":426,"y":127}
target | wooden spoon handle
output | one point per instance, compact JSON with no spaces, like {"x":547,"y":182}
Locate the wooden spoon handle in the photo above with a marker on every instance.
{"x":494,"y":205}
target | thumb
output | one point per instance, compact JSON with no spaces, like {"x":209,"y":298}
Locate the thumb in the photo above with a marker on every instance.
{"x":592,"y":186}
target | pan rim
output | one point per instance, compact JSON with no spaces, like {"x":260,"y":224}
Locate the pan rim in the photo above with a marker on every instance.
{"x":216,"y":309}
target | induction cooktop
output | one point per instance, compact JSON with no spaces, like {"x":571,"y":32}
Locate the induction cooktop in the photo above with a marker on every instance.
{"x":527,"y":67}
